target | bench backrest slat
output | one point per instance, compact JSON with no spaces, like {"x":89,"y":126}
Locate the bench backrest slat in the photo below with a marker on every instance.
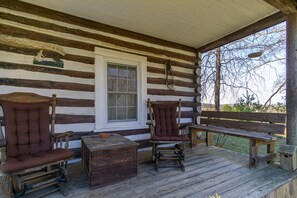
{"x":261,"y":117}
{"x":252,"y":126}
{"x":261,"y":122}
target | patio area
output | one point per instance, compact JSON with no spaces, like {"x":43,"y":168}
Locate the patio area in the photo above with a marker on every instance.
{"x":209,"y":170}
{"x":66,"y":47}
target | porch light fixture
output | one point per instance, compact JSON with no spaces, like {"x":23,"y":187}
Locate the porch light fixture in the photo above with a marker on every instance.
{"x":255,"y":54}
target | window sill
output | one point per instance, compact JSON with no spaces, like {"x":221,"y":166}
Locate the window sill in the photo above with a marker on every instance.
{"x":120,"y":128}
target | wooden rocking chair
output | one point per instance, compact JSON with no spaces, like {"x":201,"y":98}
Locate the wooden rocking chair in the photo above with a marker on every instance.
{"x":32,"y":156}
{"x":165,"y":129}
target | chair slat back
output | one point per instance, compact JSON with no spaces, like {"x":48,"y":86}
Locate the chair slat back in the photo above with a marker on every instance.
{"x":27,"y":120}
{"x":165,"y":117}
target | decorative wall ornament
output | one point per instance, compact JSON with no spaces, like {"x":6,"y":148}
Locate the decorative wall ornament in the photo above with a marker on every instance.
{"x":41,"y":59}
{"x":54,"y":50}
{"x":168,"y":72}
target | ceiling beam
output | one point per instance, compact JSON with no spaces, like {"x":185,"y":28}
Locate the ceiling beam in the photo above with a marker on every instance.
{"x":246,"y":31}
{"x":286,"y":6}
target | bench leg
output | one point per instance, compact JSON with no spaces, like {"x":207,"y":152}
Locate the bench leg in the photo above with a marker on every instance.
{"x":209,"y":139}
{"x":193,"y":138}
{"x":254,"y":147}
{"x":253,"y":153}
{"x":270,"y":150}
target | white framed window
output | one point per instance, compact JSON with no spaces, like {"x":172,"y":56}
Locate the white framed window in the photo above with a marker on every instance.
{"x":120,"y":90}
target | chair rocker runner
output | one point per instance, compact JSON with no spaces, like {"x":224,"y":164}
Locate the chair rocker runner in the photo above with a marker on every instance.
{"x":32,"y":156}
{"x":165,"y":129}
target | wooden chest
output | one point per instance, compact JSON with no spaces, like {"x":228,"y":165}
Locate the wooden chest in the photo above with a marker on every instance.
{"x":108,"y":160}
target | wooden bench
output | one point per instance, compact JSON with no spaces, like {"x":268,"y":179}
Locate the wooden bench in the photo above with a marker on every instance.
{"x":259,"y":128}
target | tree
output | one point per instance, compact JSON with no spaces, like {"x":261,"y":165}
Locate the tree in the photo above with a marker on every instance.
{"x":243,"y":64}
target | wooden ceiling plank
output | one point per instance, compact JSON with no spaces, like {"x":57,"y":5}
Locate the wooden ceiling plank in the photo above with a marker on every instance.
{"x":246,"y":31}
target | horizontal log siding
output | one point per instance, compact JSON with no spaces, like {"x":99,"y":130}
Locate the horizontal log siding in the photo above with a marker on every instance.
{"x":162,"y":81}
{"x":32,"y":52}
{"x":70,"y":119}
{"x":68,"y":102}
{"x":46,"y":84}
{"x":74,"y":84}
{"x":15,"y":66}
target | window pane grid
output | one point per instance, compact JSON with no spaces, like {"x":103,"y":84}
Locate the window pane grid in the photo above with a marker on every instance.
{"x":122,"y":93}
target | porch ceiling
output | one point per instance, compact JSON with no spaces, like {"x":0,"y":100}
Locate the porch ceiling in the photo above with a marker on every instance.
{"x":189,"y":22}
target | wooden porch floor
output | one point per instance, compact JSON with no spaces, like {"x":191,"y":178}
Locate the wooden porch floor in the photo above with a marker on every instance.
{"x":209,"y":170}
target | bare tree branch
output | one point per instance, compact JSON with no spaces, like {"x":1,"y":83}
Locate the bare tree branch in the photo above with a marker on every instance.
{"x":238,"y":71}
{"x":269,"y":99}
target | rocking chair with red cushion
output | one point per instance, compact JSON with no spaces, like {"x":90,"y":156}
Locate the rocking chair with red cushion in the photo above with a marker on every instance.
{"x":165,"y":129}
{"x":32,"y":155}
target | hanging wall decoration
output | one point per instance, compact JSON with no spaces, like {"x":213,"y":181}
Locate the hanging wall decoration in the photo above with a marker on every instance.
{"x":169,"y":75}
{"x":54,"y":60}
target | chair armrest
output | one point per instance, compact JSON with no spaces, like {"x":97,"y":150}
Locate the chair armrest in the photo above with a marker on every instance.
{"x":2,"y":151}
{"x":184,"y":128}
{"x":149,"y":123}
{"x":59,"y":138}
{"x":152,"y":129}
{"x":62,"y":135}
{"x":2,"y":143}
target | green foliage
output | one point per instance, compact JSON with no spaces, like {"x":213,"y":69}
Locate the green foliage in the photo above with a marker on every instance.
{"x":280,"y":107}
{"x":215,"y":196}
{"x":245,"y":104}
{"x":227,"y":107}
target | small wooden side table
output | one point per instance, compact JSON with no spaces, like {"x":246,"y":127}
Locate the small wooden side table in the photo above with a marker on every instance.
{"x":108,"y":160}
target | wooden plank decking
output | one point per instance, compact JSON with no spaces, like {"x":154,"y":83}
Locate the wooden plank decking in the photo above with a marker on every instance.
{"x":209,"y":170}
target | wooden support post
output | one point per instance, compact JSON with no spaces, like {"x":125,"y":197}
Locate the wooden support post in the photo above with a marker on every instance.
{"x":291,"y":73}
{"x":270,"y":150}
{"x":209,"y":139}
{"x":196,"y":139}
{"x":218,"y":79}
{"x":270,"y":147}
{"x":209,"y":135}
{"x":193,"y":133}
{"x":253,"y":152}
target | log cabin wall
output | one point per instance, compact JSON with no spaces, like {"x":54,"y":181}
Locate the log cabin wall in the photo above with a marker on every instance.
{"x":74,"y":84}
